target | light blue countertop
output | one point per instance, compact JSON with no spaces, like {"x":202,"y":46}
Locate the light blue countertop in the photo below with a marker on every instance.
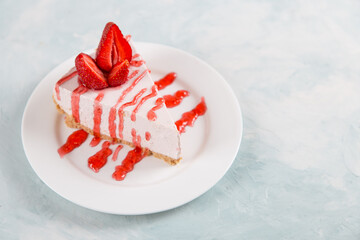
{"x":295,"y":69}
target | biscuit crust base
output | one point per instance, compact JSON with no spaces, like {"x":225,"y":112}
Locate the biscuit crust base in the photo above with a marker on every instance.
{"x":70,"y":122}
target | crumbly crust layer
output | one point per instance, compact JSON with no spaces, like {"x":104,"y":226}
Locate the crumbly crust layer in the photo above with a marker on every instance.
{"x":70,"y":122}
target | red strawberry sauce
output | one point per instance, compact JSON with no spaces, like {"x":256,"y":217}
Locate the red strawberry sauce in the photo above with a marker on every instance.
{"x":75,"y":99}
{"x":97,"y":161}
{"x":151,"y":115}
{"x":116,"y":152}
{"x":142,"y":101}
{"x":189,"y":118}
{"x":112,"y":114}
{"x":73,"y":141}
{"x":134,"y":156}
{"x":174,"y":100}
{"x":121,"y":111}
{"x":62,"y":81}
{"x":165,"y":81}
{"x":95,"y":141}
{"x":97,"y":114}
{"x":147,"y":136}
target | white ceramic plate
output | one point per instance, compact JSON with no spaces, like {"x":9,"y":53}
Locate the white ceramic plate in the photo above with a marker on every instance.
{"x":209,"y":148}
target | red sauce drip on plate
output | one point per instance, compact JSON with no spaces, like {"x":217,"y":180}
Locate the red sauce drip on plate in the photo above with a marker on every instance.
{"x":151,"y":115}
{"x":97,"y":161}
{"x":144,"y":99}
{"x":174,"y":100}
{"x":189,"y":118}
{"x":134,"y":156}
{"x":73,"y":141}
{"x":116,"y":152}
{"x":165,"y":81}
{"x":95,"y":141}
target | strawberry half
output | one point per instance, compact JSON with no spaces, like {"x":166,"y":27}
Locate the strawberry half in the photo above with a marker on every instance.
{"x":113,"y":48}
{"x":119,"y":73}
{"x":89,"y":74}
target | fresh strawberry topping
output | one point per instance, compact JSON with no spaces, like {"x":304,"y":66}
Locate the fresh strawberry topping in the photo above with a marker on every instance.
{"x":113,"y":48}
{"x":119,"y":74}
{"x":89,"y":73}
{"x":112,"y":63}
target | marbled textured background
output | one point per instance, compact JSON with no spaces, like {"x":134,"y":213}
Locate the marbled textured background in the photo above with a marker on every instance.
{"x":294,"y":66}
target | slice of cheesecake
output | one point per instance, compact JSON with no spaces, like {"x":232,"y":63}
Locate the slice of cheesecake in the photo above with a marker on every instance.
{"x":133,"y":113}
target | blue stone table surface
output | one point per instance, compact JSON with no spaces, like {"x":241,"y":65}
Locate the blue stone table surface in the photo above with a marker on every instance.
{"x":295,"y":69}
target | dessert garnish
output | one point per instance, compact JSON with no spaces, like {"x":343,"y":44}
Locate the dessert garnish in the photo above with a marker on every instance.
{"x":113,"y":57}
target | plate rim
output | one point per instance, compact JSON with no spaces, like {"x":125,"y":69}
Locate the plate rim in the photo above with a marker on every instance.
{"x":194,"y":196}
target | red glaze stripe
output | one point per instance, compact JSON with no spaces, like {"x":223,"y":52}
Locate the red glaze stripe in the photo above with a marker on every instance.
{"x":121,"y":111}
{"x":75,"y":99}
{"x":137,"y":63}
{"x":151,"y":115}
{"x":165,"y":81}
{"x":189,"y":118}
{"x":112,"y":113}
{"x":97,"y":114}
{"x":62,"y":81}
{"x":147,"y":136}
{"x":73,"y":141}
{"x":174,"y":100}
{"x":142,"y":101}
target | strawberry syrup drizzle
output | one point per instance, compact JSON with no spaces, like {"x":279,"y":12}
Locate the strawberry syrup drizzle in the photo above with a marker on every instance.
{"x":135,"y":56}
{"x":95,"y":141}
{"x":133,"y":74}
{"x":75,"y":99}
{"x":142,"y":101}
{"x":121,"y":111}
{"x":151,"y":115}
{"x":116,"y":152}
{"x":137,"y":63}
{"x":189,"y":118}
{"x":174,"y":100}
{"x":97,"y":161}
{"x":112,"y":113}
{"x":97,"y":114}
{"x":165,"y":81}
{"x":147,"y":136}
{"x":134,"y":156}
{"x":73,"y":141}
{"x":62,"y":81}
{"x":136,"y":139}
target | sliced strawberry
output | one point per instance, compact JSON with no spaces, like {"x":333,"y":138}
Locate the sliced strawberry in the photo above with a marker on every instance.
{"x":89,"y":74}
{"x":119,"y":73}
{"x":123,"y":47}
{"x":113,"y":48}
